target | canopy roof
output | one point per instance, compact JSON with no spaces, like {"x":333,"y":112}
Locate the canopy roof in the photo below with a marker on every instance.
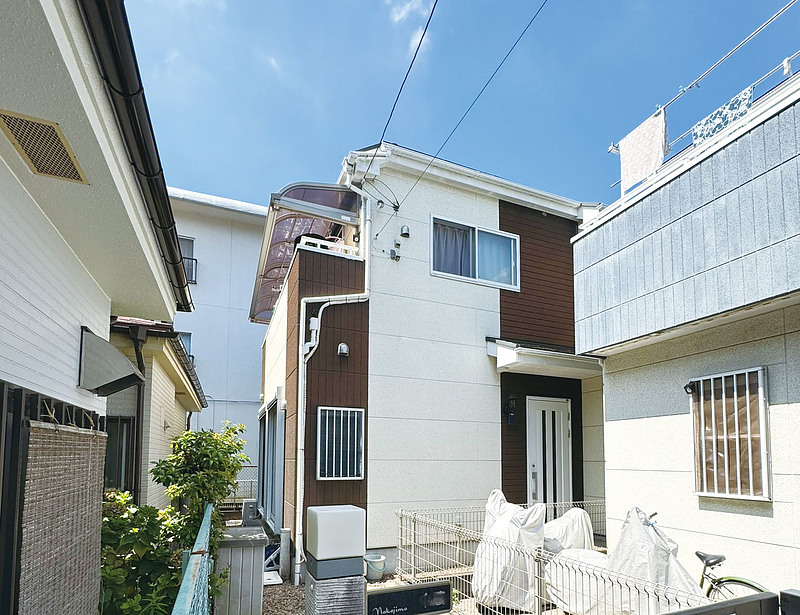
{"x":298,"y":209}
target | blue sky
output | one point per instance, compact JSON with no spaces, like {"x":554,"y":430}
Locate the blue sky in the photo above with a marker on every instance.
{"x":247,"y":96}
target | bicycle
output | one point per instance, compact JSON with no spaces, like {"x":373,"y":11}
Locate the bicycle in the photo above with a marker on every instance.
{"x":724,"y":588}
{"x":721,"y":588}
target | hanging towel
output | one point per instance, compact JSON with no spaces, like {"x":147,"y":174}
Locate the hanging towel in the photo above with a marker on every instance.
{"x":734,"y":109}
{"x":643,"y":150}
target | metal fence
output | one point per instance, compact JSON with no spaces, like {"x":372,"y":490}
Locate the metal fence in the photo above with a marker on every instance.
{"x":193,"y":595}
{"x":494,"y":576}
{"x":246,"y":488}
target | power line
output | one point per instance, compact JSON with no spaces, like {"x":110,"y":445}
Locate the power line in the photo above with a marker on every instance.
{"x":496,"y":70}
{"x":397,"y":98}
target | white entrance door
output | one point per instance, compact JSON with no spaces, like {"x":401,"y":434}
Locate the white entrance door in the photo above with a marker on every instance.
{"x":549,"y":450}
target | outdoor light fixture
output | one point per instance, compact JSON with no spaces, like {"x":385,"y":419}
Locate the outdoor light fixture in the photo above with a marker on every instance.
{"x":167,"y":425}
{"x":510,"y":408}
{"x":690,"y":388}
{"x":344,"y":350}
{"x":405,"y":232}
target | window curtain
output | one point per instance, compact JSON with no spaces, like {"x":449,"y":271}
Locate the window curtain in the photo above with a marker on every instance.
{"x":496,"y":258}
{"x":452,"y":249}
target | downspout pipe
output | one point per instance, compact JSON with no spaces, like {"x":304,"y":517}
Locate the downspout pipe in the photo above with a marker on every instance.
{"x":138,"y":337}
{"x":306,"y":351}
{"x":109,"y":32}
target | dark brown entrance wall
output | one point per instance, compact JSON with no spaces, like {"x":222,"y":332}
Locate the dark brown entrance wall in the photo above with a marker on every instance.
{"x":330,"y":380}
{"x":514,"y":438}
{"x":543,"y":310}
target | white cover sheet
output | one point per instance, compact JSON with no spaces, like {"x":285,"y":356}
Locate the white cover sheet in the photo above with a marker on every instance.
{"x":501,"y":577}
{"x":572,"y":530}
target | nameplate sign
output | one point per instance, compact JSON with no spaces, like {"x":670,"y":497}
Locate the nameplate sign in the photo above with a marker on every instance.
{"x":421,"y":599}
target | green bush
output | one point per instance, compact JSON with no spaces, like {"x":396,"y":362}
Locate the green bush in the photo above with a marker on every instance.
{"x":141,"y":546}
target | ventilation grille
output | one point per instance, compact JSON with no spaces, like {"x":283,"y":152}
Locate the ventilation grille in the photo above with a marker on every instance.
{"x":42,"y":145}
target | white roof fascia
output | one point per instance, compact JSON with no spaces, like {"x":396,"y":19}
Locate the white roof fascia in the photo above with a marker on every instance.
{"x":512,"y":357}
{"x":407,"y":160}
{"x":771,"y":103}
{"x":217,"y":201}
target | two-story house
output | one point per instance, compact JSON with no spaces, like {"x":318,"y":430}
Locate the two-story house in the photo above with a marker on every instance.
{"x":420,"y":348}
{"x":688,"y":287}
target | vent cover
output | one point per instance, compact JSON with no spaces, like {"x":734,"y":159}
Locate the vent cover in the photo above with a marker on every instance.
{"x":42,"y":145}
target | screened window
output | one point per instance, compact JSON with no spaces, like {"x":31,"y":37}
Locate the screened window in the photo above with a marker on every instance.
{"x":488,"y":257}
{"x":340,"y":443}
{"x":731,"y":441}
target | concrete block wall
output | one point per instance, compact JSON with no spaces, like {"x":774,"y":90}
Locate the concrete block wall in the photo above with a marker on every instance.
{"x":46,"y":295}
{"x":724,"y":234}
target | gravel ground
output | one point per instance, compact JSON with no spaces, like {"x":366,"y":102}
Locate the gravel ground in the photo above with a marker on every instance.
{"x":283,"y":599}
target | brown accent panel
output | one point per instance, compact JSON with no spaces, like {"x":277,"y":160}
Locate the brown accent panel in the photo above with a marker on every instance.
{"x":330,"y":380}
{"x":543,"y":310}
{"x":513,"y":438}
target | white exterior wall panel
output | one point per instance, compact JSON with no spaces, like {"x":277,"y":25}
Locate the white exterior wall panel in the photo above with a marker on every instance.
{"x":434,"y":393}
{"x":46,"y":295}
{"x":646,"y":405}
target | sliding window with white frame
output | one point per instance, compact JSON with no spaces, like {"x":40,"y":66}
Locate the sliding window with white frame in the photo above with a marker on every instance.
{"x":731,"y":435}
{"x":480,"y":255}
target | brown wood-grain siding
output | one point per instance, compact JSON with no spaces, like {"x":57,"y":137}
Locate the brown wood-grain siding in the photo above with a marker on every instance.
{"x":330,"y":380}
{"x":543,"y":310}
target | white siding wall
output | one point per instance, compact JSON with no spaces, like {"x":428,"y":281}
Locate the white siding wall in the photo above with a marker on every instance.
{"x":225,"y":344}
{"x":593,"y":449}
{"x":434,"y":394}
{"x":649,"y":459}
{"x":275,"y":349}
{"x":46,"y":295}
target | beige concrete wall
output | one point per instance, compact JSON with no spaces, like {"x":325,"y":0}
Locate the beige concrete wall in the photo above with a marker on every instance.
{"x":593,"y":445}
{"x":649,"y":450}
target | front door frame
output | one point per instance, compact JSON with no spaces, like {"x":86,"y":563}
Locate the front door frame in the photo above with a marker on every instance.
{"x":534,"y":457}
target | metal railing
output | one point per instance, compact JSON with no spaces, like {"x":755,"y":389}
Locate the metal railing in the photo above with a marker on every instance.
{"x":193,"y":595}
{"x":246,"y":488}
{"x":494,"y":576}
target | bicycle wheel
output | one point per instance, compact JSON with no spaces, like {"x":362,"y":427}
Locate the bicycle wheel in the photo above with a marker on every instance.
{"x":729,"y":588}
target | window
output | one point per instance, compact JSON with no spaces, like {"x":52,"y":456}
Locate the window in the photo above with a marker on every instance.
{"x":464,"y":251}
{"x":340,"y":443}
{"x":119,"y":453}
{"x":271,"y":426}
{"x":731,"y":437}
{"x":189,"y":262}
{"x":186,"y":340}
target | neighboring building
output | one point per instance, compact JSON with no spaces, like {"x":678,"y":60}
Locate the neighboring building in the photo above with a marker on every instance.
{"x":170,"y":392}
{"x":78,"y":246}
{"x":689,"y":289}
{"x":220,"y":239}
{"x":443,"y":299}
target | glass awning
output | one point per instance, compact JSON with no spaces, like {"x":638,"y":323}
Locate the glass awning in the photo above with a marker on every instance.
{"x":299,"y":209}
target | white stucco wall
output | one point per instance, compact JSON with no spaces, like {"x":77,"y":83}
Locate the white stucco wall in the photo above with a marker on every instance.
{"x":46,"y":295}
{"x":593,"y":447}
{"x":225,"y":344}
{"x":434,"y":394}
{"x":650,"y":459}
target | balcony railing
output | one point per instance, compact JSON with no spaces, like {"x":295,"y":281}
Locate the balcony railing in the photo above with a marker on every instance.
{"x":190,"y":265}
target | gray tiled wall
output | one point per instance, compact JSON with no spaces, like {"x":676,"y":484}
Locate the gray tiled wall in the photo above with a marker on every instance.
{"x":724,"y":234}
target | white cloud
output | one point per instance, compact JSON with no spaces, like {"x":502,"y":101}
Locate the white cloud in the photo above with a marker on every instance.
{"x":402,"y":11}
{"x":266,"y":60}
{"x":415,"y":38}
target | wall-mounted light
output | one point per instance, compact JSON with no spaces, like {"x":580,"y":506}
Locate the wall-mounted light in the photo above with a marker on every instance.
{"x":343,"y":350}
{"x":690,"y":388}
{"x":405,"y":232}
{"x":167,"y":425}
{"x":509,"y":408}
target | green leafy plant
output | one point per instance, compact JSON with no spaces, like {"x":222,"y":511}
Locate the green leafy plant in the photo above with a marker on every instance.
{"x":140,"y":573}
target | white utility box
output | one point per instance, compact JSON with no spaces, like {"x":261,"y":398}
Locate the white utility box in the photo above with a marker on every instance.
{"x":336,"y":532}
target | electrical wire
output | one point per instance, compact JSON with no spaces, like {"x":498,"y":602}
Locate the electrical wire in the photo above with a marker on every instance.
{"x":486,"y":85}
{"x":729,"y":54}
{"x":397,"y":98}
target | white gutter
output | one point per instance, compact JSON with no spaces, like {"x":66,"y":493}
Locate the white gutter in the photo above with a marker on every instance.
{"x":306,"y":351}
